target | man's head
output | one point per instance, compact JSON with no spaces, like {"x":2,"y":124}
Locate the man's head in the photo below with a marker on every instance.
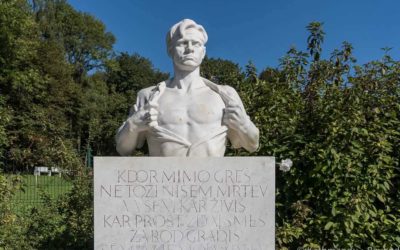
{"x":185,"y":44}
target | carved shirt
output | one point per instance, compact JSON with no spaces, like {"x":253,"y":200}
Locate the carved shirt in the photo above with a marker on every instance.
{"x":213,"y":144}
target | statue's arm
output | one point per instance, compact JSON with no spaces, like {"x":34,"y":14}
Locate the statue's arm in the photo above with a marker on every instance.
{"x":247,"y":137}
{"x":242,"y":131}
{"x":128,"y":138}
{"x":131,"y":136}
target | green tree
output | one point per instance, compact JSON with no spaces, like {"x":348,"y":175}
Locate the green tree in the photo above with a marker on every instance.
{"x":35,"y":84}
{"x":315,"y":39}
{"x":86,"y":42}
{"x":251,"y":73}
{"x":127,"y":74}
{"x":20,"y":83}
{"x":108,"y":97}
{"x":222,"y":71}
{"x":83,"y":41}
{"x":4,"y":121}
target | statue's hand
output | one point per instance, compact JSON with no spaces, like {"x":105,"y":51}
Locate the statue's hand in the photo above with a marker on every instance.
{"x":235,"y":117}
{"x":145,"y":118}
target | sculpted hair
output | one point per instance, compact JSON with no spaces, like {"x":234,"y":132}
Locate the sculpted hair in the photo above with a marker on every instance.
{"x":177,"y":30}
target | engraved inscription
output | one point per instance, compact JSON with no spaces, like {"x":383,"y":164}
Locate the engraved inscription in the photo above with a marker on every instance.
{"x":184,"y":207}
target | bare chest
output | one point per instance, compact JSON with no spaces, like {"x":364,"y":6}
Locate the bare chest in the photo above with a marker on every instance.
{"x":204,"y":107}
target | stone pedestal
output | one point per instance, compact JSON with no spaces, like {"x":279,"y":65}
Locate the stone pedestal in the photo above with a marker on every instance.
{"x":168,"y":203}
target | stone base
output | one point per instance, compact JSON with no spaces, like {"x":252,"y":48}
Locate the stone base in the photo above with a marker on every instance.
{"x":170,"y":203}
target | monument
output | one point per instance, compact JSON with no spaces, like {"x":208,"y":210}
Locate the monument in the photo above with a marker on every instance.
{"x":187,"y":115}
{"x":194,"y":199}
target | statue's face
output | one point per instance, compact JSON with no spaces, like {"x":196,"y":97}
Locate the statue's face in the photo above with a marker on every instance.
{"x":188,"y":52}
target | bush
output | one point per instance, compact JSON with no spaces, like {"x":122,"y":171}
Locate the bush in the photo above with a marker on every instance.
{"x":66,"y":222}
{"x":62,"y":223}
{"x":339,"y":124}
{"x":12,"y":227}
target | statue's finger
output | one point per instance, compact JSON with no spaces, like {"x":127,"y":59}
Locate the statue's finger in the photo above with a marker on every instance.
{"x":235,"y":105}
{"x":145,"y":116}
{"x":234,"y":117}
{"x":153,"y":111}
{"x":153,"y":124}
{"x":229,"y":116}
{"x":232,"y":110}
{"x":153,"y":104}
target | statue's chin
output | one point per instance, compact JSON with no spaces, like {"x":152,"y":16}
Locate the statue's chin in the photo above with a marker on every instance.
{"x":187,"y":66}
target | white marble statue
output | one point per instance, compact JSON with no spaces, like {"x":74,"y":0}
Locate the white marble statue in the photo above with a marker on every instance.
{"x":187,"y":115}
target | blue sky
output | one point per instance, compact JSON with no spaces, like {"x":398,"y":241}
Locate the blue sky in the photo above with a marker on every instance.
{"x":261,"y":31}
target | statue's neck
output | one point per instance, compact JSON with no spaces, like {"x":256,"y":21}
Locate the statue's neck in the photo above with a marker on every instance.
{"x":186,"y":80}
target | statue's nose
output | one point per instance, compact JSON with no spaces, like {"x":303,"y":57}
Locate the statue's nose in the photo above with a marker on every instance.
{"x":189,"y":47}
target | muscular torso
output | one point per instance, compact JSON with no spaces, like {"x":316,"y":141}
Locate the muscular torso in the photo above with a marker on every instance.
{"x":194,"y":116}
{"x":190,"y":115}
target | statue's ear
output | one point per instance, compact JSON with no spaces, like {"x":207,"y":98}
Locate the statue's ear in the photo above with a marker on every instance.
{"x":169,"y":52}
{"x":204,"y":52}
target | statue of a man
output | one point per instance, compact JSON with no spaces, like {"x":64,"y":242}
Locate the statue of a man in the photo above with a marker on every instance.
{"x":187,"y":115}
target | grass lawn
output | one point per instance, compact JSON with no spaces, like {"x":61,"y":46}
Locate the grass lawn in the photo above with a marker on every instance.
{"x":34,"y":186}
